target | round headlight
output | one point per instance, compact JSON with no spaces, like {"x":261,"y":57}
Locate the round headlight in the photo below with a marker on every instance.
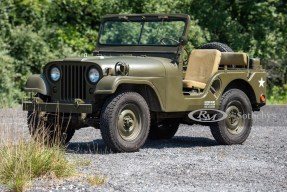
{"x":55,"y":74}
{"x":94,"y":75}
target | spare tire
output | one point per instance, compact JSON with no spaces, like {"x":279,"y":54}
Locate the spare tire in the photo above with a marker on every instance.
{"x":216,"y":45}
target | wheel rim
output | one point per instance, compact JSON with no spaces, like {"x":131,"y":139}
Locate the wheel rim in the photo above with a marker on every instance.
{"x":129,"y":123}
{"x":235,"y":121}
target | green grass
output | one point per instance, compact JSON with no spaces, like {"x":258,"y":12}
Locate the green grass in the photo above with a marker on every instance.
{"x":23,"y":161}
{"x":96,"y":180}
{"x":82,"y":162}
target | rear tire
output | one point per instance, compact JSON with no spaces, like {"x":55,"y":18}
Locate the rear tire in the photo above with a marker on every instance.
{"x":165,"y":129}
{"x":237,"y":126}
{"x":125,"y":122}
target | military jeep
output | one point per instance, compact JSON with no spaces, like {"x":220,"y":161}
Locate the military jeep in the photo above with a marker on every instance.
{"x":142,"y":83}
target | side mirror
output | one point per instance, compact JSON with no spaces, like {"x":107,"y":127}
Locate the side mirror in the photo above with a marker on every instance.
{"x":182,"y":40}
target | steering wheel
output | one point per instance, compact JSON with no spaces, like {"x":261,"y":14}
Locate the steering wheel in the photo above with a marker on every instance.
{"x":162,"y":40}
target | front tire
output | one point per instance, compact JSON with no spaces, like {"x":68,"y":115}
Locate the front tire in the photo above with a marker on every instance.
{"x":237,"y":126}
{"x":125,"y":122}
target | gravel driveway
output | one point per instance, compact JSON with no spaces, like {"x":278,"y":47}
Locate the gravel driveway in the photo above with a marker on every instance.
{"x":191,"y":161}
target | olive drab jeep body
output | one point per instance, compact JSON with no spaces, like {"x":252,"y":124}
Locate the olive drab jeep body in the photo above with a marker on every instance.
{"x":138,"y":85}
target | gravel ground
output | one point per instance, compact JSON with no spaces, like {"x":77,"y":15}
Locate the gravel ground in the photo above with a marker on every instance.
{"x":191,"y":161}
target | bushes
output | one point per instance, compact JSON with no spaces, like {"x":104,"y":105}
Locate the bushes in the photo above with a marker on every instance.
{"x":30,"y":53}
{"x":277,"y":95}
{"x":8,"y":93}
{"x":27,"y":53}
{"x":277,"y":81}
{"x":277,"y":72}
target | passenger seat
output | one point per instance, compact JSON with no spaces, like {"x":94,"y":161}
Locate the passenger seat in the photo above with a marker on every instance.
{"x":202,"y":64}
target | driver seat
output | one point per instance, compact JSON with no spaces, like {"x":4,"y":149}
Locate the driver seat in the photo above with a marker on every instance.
{"x":202,"y":64}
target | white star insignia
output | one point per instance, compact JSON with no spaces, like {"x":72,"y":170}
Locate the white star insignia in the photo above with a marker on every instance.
{"x":261,"y":82}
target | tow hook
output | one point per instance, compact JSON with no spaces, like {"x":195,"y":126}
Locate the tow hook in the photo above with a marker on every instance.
{"x":77,"y":103}
{"x":36,"y":101}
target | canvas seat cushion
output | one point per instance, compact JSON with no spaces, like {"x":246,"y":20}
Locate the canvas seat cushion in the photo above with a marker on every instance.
{"x":191,"y":84}
{"x":231,"y":58}
{"x":202,"y":64}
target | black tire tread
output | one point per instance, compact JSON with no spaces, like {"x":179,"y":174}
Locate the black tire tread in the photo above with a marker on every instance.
{"x":216,"y":45}
{"x":106,"y":116}
{"x":217,"y":133}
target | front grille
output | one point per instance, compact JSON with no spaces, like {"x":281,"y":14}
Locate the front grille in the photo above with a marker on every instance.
{"x":73,"y":82}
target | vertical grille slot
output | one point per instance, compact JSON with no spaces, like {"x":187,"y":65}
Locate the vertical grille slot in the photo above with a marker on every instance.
{"x":73,"y":82}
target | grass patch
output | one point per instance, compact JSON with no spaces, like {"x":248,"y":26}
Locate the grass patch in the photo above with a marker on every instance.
{"x":82,"y":162}
{"x":96,"y":180}
{"x":23,"y":161}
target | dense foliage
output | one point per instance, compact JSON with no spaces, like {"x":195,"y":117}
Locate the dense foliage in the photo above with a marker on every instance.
{"x":35,"y":31}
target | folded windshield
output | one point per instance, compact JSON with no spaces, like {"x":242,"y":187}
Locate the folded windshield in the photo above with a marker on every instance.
{"x":141,"y":33}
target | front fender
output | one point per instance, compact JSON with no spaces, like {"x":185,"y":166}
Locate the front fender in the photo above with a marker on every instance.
{"x":37,"y":83}
{"x":109,"y":84}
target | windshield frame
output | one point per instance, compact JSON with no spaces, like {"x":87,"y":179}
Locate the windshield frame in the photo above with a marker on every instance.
{"x":110,"y":49}
{"x":142,"y":32}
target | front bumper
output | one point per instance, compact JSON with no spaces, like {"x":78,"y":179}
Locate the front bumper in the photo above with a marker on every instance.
{"x":33,"y":105}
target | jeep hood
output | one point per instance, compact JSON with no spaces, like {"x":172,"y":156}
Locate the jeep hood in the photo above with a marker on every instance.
{"x":139,"y":66}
